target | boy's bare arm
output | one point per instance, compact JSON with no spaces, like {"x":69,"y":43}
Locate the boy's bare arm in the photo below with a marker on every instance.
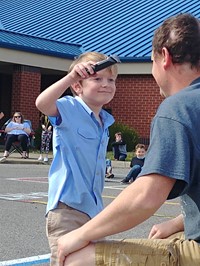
{"x":148,"y":193}
{"x":46,"y":101}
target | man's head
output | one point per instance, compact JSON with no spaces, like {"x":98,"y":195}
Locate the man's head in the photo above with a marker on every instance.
{"x":181,"y":36}
{"x":176,"y":53}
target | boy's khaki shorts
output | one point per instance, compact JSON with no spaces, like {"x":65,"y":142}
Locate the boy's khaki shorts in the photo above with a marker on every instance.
{"x":61,"y":221}
{"x":174,"y":251}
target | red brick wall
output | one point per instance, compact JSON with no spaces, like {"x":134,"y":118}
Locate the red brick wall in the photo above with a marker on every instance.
{"x":25,"y":89}
{"x":136,"y":101}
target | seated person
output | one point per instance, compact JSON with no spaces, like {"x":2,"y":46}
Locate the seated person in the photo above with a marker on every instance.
{"x":119,"y":147}
{"x":136,"y":164}
{"x":109,"y":173}
{"x":16,"y":130}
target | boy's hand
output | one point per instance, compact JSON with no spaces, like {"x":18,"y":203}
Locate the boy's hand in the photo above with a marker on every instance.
{"x":68,"y":244}
{"x":82,"y":71}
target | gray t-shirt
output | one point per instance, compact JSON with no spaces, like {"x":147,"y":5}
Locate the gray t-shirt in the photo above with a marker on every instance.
{"x":174,"y":151}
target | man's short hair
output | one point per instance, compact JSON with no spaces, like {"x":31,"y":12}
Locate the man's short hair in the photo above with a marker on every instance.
{"x":181,"y":36}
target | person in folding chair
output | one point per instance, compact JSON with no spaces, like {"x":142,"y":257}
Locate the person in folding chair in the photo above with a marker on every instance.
{"x":17,"y":130}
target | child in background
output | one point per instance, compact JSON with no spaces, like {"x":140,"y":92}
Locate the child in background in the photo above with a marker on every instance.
{"x":45,"y":138}
{"x":136,"y":164}
{"x":119,"y":147}
{"x":80,"y":139}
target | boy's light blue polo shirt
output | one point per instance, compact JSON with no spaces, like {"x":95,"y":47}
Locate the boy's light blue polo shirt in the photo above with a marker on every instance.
{"x":76,"y":176}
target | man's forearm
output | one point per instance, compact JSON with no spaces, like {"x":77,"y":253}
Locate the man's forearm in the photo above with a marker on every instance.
{"x":123,"y":214}
{"x":179,"y":223}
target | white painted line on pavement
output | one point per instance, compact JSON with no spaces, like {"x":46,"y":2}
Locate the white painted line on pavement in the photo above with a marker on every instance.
{"x":117,"y":187}
{"x":40,"y":259}
{"x":20,"y":196}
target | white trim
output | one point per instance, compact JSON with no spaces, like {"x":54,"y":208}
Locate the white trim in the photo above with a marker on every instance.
{"x":61,"y":64}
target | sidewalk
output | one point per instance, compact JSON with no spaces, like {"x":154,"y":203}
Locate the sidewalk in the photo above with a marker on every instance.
{"x":15,"y":158}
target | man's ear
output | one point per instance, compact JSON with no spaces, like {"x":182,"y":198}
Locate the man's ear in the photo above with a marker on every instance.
{"x":167,"y":60}
{"x":77,"y":88}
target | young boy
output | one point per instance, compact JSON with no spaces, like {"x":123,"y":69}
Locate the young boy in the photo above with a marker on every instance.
{"x":119,"y":147}
{"x":80,"y":138}
{"x":136,"y":164}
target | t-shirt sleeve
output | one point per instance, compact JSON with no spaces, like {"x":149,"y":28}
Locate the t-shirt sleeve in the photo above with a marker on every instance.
{"x":168,"y":153}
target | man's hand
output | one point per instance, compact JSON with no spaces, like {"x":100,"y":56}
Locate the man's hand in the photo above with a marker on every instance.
{"x":159,"y":231}
{"x":166,"y":229}
{"x":68,"y":244}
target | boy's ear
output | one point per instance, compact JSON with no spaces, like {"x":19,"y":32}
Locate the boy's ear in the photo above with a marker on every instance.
{"x":77,"y":87}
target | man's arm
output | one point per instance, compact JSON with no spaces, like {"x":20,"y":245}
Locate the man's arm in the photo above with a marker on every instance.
{"x":147,"y":194}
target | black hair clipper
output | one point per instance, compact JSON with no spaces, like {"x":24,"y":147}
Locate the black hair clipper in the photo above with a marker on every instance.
{"x":111,"y":60}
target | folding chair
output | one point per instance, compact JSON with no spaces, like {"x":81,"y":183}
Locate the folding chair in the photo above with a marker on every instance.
{"x":16,"y":147}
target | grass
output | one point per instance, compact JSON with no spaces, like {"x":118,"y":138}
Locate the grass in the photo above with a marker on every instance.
{"x":128,"y":158}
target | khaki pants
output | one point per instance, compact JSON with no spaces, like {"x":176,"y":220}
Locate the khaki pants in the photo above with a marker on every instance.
{"x":59,"y":222}
{"x":174,"y":251}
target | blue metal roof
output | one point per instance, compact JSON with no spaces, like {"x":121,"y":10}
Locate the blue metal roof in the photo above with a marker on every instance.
{"x":38,"y":45}
{"x":122,"y":27}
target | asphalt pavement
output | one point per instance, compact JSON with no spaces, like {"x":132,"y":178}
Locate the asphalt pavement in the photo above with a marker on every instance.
{"x":23,"y":198}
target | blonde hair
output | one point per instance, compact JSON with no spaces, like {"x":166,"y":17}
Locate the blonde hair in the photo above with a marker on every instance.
{"x":92,"y":56}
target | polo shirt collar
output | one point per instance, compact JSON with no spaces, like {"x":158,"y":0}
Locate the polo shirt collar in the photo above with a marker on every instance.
{"x":85,"y":106}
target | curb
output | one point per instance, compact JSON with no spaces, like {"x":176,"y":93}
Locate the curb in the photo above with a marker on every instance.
{"x":15,"y":158}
